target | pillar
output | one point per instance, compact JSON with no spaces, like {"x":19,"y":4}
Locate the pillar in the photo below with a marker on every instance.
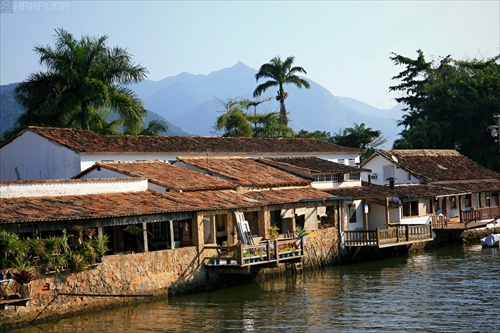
{"x":264,"y":222}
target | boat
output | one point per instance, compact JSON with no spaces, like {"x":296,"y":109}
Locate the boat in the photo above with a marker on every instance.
{"x":492,"y":240}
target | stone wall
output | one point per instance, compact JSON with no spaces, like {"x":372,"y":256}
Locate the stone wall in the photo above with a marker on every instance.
{"x":320,"y":250}
{"x":158,"y":273}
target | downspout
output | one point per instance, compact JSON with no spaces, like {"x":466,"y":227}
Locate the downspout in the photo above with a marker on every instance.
{"x":387,"y":215}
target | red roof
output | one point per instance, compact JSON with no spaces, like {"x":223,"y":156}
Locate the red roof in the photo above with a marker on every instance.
{"x":80,"y":140}
{"x":164,"y":174}
{"x":246,"y":172}
{"x":437,"y":164}
{"x":112,"y":205}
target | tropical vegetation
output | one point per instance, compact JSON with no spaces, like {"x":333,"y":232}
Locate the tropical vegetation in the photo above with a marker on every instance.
{"x":76,"y":251}
{"x":83,"y":81}
{"x":450,"y":105}
{"x":280,"y":73}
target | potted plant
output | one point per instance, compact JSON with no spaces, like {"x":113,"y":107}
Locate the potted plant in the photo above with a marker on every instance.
{"x":23,"y":278}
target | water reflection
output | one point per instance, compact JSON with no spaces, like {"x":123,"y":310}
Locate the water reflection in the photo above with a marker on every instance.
{"x":447,"y":290}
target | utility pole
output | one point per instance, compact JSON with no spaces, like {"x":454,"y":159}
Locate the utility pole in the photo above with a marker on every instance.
{"x":494,"y":130}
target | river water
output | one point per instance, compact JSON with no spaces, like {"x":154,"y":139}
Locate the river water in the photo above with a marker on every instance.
{"x":454,"y":289}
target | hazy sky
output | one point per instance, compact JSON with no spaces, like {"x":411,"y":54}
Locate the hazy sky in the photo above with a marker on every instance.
{"x":343,"y":45}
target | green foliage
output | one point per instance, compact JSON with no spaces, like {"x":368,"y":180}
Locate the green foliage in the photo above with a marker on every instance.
{"x":77,"y":251}
{"x":23,"y":276}
{"x":234,"y":122}
{"x":450,"y":105}
{"x":83,"y":77}
{"x":280,"y":73}
{"x":10,"y":247}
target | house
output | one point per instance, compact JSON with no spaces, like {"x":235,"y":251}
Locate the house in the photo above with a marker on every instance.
{"x":323,"y":173}
{"x":162,"y":176}
{"x":60,"y":153}
{"x":463,"y":191}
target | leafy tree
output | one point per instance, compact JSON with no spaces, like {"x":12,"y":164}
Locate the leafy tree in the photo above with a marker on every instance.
{"x":82,"y":76}
{"x":155,"y":128}
{"x":280,"y":72}
{"x":359,"y":136}
{"x":320,"y":135}
{"x":234,"y":124}
{"x":450,"y":105}
{"x":268,"y":125}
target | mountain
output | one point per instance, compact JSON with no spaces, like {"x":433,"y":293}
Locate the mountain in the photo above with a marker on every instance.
{"x":10,"y":111}
{"x":190,"y":102}
{"x":187,"y":97}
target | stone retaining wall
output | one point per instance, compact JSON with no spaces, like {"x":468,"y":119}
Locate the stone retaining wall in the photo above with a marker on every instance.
{"x":158,"y":273}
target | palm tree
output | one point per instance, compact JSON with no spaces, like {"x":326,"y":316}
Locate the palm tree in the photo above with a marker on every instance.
{"x":82,"y":76}
{"x":280,"y":72}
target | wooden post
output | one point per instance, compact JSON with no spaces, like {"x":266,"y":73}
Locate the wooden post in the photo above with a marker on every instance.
{"x":407,"y":232}
{"x":172,"y":235}
{"x":145,"y":236}
{"x":232,"y":234}
{"x":264,"y":222}
{"x":378,"y":235}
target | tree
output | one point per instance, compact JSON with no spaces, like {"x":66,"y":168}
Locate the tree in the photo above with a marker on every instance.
{"x":155,"y":128}
{"x":450,"y":103}
{"x":280,"y":72}
{"x":236,"y":123}
{"x":359,"y":136}
{"x":82,"y":76}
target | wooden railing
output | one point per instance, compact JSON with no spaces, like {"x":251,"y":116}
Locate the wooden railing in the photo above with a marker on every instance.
{"x":389,"y":237}
{"x":439,"y":221}
{"x":479,"y":214}
{"x":267,"y":251}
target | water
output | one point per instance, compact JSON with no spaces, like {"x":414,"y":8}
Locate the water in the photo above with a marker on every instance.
{"x":446,"y":290}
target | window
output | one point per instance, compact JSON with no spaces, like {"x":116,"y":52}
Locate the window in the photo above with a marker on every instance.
{"x":325,"y":178}
{"x":341,"y":161}
{"x":409,"y":176}
{"x":468,"y":200}
{"x":352,"y":213}
{"x":389,"y":171}
{"x":428,"y":206}
{"x":352,"y":162}
{"x":494,"y":199}
{"x":410,"y":208}
{"x":354,"y":176}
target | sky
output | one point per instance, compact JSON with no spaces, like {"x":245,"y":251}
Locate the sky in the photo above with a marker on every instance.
{"x":344,"y":46}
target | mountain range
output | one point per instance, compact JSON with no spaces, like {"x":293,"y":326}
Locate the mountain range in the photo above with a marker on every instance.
{"x":190,"y":104}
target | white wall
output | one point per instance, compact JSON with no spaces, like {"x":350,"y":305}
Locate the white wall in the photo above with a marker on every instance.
{"x":377,"y":166}
{"x":106,"y":173}
{"x":31,"y":156}
{"x":71,"y":187}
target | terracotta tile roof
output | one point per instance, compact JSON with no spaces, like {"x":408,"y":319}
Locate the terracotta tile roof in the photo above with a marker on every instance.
{"x":77,"y":207}
{"x":438,"y":164}
{"x":86,"y":141}
{"x":164,"y":174}
{"x":311,"y":165}
{"x":475,"y":186}
{"x":371,"y":191}
{"x":246,"y":172}
{"x":113,"y":205}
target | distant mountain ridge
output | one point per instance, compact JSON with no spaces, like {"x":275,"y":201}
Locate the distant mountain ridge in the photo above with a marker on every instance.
{"x":190,"y":102}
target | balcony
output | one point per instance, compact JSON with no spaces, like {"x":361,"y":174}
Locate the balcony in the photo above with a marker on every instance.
{"x":267,"y":253}
{"x":382,"y":238}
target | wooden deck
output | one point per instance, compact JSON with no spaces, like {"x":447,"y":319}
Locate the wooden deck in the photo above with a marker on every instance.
{"x":266,"y":253}
{"x":382,"y":238}
{"x":469,"y":219}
